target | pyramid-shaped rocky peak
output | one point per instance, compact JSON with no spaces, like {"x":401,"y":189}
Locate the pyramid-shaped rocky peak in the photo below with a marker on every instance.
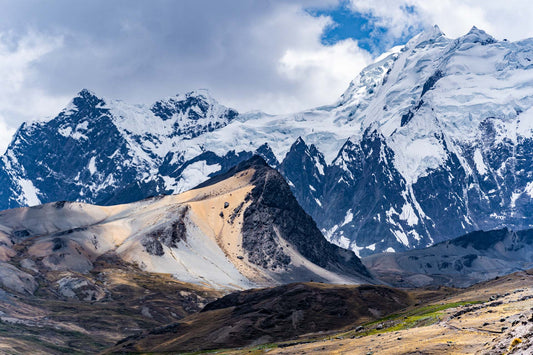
{"x":273,"y":215}
{"x":84,"y":105}
{"x":86,"y":98}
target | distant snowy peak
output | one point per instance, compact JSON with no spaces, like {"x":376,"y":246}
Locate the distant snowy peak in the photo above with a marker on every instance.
{"x":186,"y":115}
{"x":365,"y":85}
{"x":439,"y":87}
{"x":429,"y":36}
{"x":193,"y":105}
{"x":476,"y":35}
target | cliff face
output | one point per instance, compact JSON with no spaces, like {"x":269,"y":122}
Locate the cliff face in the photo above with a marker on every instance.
{"x":274,"y":215}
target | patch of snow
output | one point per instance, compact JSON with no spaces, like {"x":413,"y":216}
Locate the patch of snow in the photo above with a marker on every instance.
{"x":82,"y":126}
{"x":319,"y":166}
{"x":170,"y":184}
{"x":78,"y":136}
{"x":65,"y":132}
{"x":401,"y":237}
{"x":195,"y":174}
{"x":29,"y":191}
{"x":514,"y":197}
{"x":480,"y":164}
{"x":353,"y":246}
{"x":525,"y":123}
{"x":529,"y":189}
{"x":413,"y":233}
{"x":92,"y":165}
{"x":390,"y":250}
{"x":329,"y":233}
{"x":416,"y":158}
{"x":408,"y":214}
{"x":348,"y":218}
{"x":343,"y":242}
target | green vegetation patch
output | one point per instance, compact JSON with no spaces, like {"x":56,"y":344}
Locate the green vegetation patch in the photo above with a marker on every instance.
{"x":418,"y":317}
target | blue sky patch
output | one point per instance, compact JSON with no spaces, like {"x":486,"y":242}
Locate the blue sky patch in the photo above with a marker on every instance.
{"x":361,"y":27}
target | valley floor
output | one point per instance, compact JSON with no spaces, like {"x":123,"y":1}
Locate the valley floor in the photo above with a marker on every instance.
{"x":494,"y":317}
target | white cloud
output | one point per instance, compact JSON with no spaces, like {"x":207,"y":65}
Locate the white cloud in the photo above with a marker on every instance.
{"x":20,"y":99}
{"x":256,"y":55}
{"x":302,"y":72}
{"x":503,"y":19}
{"x":324,"y":71}
{"x":5,"y":135}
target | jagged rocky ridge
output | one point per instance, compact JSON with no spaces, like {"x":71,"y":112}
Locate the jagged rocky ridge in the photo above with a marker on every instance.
{"x":431,"y":141}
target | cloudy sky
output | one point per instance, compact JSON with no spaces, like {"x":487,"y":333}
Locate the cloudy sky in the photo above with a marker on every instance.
{"x":275,"y":56}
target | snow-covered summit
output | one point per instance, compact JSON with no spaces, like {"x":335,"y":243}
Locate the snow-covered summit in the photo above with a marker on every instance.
{"x":476,"y":35}
{"x":428,"y":36}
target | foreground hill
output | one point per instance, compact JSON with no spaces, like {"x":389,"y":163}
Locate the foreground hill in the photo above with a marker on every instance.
{"x":460,"y":262}
{"x":267,"y":315}
{"x":439,"y":124}
{"x":238,"y":230}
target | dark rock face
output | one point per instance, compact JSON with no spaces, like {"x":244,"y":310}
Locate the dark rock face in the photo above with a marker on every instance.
{"x":194,"y":108}
{"x":55,"y":155}
{"x":303,"y":167}
{"x":191,"y":112}
{"x":82,"y":155}
{"x":274,"y":215}
{"x":365,"y":202}
{"x":361,"y":195}
{"x":442,"y":191}
{"x":169,"y":235}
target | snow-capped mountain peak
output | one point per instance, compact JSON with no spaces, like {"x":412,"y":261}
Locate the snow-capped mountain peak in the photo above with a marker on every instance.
{"x":476,"y":35}
{"x":428,"y":36}
{"x":432,"y":140}
{"x":85,"y":101}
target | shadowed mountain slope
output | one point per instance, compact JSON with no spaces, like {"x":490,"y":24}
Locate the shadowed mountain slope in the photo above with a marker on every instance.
{"x":463,"y":261}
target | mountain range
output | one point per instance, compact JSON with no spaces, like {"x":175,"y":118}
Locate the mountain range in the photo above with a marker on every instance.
{"x":431,"y":141}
